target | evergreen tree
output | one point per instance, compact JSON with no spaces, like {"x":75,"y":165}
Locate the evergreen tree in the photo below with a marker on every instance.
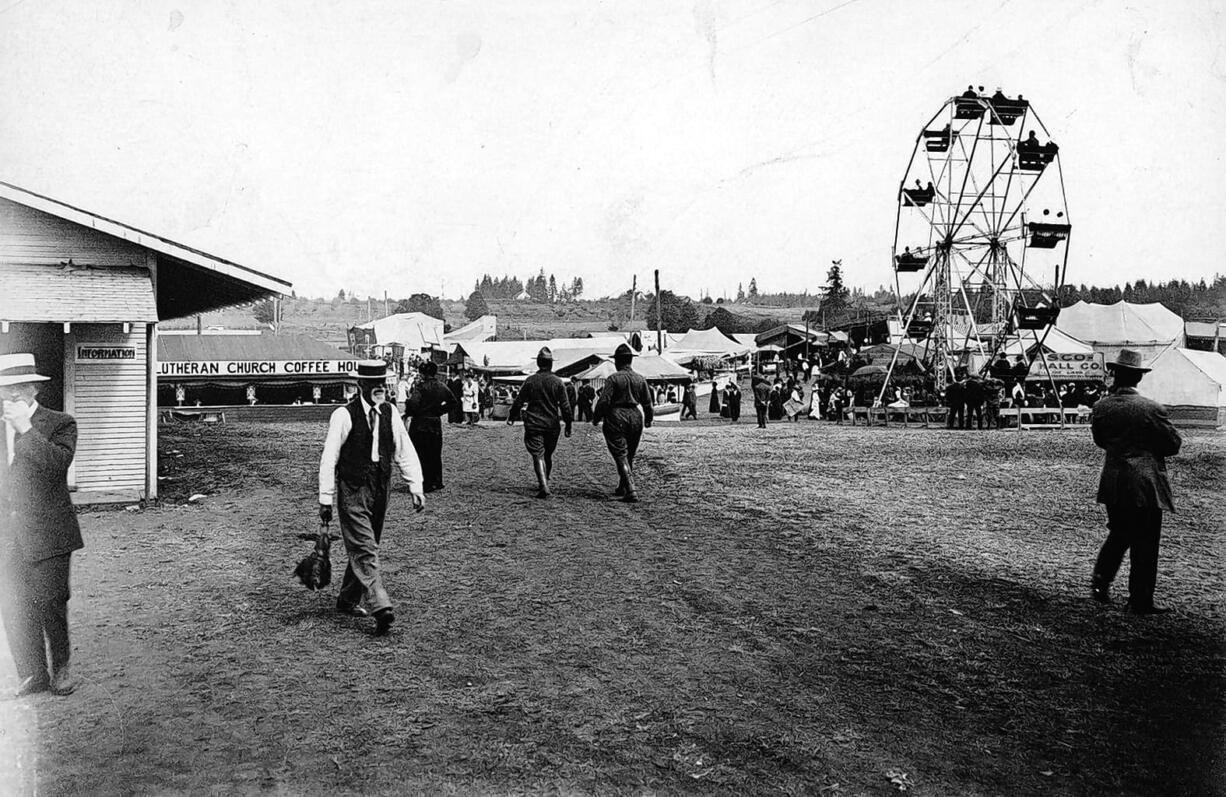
{"x":836,"y":292}
{"x":552,"y":292}
{"x":753,"y":287}
{"x":475,"y":307}
{"x":740,"y":293}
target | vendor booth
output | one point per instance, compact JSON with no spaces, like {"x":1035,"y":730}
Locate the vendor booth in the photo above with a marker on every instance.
{"x":84,"y":294}
{"x":236,"y":369}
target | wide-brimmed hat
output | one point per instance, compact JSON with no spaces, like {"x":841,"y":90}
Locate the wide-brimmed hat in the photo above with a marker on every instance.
{"x":372,"y":371}
{"x":545,"y":354}
{"x":16,"y":369}
{"x":1129,"y":360}
{"x":623,"y":350}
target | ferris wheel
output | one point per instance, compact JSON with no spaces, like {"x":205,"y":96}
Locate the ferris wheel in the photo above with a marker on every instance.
{"x":981,"y":238}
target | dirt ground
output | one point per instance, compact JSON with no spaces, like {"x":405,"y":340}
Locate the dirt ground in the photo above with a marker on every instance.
{"x":809,"y":609}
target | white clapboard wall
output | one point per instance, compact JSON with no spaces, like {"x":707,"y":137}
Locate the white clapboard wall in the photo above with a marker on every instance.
{"x":108,"y":399}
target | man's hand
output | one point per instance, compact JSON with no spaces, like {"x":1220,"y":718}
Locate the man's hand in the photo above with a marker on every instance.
{"x":510,"y":421}
{"x":567,"y":431}
{"x":18,"y":413}
{"x":419,"y":502}
{"x":325,"y":513}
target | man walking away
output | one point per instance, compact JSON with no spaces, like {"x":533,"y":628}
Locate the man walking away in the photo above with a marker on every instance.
{"x":1137,"y":436}
{"x":972,"y":397}
{"x":38,"y":529}
{"x":761,"y":398}
{"x":544,"y":405}
{"x":955,"y":399}
{"x":587,"y":397}
{"x":427,"y":403}
{"x":365,"y":438}
{"x":618,"y":406}
{"x":689,"y":403}
{"x":572,"y":397}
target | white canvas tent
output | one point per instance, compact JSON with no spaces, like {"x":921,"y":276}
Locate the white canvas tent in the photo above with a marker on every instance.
{"x":1055,"y":342}
{"x":1147,"y":328}
{"x":415,"y":331}
{"x":705,"y":343}
{"x":1192,"y":385}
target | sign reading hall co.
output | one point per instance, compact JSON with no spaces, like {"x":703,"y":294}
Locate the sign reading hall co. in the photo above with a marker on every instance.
{"x":258,"y":368}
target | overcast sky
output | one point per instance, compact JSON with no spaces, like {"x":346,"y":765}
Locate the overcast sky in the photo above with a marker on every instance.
{"x":414,"y":146}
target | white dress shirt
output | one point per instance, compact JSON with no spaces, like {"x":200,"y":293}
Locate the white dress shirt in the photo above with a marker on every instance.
{"x":339,"y":426}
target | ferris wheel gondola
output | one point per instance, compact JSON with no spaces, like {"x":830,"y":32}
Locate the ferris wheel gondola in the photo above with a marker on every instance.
{"x":982,"y":233}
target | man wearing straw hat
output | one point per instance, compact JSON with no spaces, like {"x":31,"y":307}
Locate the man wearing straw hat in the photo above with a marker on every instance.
{"x":365,"y":438}
{"x":38,"y":529}
{"x":618,"y":406}
{"x":1137,"y":436}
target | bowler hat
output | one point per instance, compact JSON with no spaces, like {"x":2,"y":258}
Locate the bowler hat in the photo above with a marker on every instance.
{"x":373,"y":370}
{"x":544,"y":354}
{"x":623,"y":350}
{"x":16,"y":369}
{"x":1129,"y":360}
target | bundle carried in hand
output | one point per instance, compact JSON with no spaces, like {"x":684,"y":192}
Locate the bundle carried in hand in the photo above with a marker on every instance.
{"x":315,"y":571}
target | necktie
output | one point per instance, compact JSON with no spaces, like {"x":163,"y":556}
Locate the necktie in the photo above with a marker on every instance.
{"x":374,"y":435}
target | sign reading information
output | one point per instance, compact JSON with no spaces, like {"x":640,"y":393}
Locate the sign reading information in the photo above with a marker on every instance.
{"x":224,"y":368}
{"x":94,"y":352}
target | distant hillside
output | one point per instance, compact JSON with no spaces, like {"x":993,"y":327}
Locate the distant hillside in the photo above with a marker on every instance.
{"x":327,"y":320}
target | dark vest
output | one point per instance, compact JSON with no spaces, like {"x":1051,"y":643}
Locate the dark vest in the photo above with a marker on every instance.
{"x":354,"y":464}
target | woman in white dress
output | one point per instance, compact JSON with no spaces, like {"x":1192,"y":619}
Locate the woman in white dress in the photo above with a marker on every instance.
{"x":469,"y":400}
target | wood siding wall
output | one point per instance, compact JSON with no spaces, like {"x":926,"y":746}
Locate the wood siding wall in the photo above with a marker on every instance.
{"x":31,"y":236}
{"x":108,"y":399}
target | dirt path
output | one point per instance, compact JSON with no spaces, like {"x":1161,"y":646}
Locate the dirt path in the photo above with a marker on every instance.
{"x":805,"y":608}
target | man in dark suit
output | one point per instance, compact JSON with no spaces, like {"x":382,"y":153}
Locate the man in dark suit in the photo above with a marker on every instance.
{"x":38,"y":529}
{"x":1137,"y":436}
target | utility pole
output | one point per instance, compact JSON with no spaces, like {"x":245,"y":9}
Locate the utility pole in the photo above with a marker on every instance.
{"x":659,"y":313}
{"x":385,"y":311}
{"x":634,"y":291}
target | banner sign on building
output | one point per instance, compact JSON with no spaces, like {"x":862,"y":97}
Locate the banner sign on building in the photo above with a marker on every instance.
{"x":96,"y":352}
{"x":233,"y":368}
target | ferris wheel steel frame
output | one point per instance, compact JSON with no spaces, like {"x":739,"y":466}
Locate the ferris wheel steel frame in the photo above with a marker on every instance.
{"x":969,"y":232}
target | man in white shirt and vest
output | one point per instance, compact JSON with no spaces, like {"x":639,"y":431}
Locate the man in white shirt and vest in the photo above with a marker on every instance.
{"x":365,"y":438}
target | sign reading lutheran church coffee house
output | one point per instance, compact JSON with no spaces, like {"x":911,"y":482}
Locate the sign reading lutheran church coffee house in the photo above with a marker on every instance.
{"x":224,"y":368}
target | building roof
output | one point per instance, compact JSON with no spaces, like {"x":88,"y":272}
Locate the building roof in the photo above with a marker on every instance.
{"x":1121,"y":323}
{"x":189,"y":281}
{"x":83,"y":295}
{"x":649,"y":366}
{"x":707,"y":342}
{"x":259,"y":348}
{"x":1205,"y":329}
{"x":483,"y":328}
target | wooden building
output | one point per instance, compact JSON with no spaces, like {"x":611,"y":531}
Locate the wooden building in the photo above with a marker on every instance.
{"x":85,"y":294}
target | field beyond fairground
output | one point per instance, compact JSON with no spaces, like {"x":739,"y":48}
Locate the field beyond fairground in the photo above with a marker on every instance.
{"x":810,"y":609}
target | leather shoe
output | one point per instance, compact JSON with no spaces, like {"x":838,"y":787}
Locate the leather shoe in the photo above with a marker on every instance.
{"x":62,"y":682}
{"x":1151,"y":609}
{"x":351,"y":609}
{"x":33,"y":685}
{"x":383,"y":621}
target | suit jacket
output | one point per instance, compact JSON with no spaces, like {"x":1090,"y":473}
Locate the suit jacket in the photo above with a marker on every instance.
{"x":1137,"y":435}
{"x":35,"y":508}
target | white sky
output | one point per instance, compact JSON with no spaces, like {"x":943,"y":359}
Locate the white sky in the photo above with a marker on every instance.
{"x":411,"y":147}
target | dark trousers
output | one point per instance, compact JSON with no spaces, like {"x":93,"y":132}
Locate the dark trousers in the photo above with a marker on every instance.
{"x":956,"y":417}
{"x":623,"y":429}
{"x":360,"y":512}
{"x":426,"y":434}
{"x":761,"y":410}
{"x":34,"y":605}
{"x":1137,"y":530}
{"x":974,"y":415}
{"x":585,"y":410}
